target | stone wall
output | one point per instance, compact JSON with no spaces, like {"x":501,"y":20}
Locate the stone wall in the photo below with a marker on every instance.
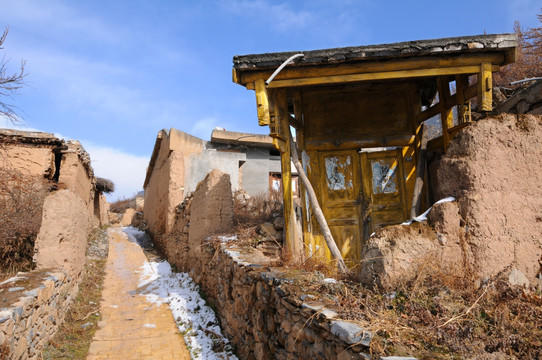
{"x":525,"y":101}
{"x":34,"y":305}
{"x":259,"y":309}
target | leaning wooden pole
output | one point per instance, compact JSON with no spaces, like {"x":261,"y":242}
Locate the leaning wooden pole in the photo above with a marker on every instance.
{"x":420,"y":171}
{"x":332,"y":246}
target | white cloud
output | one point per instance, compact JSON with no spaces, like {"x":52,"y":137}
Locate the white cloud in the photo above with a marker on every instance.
{"x":281,"y":16}
{"x":127,"y":171}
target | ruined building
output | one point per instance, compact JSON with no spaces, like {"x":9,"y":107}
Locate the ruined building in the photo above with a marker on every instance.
{"x":180,"y":161}
{"x":358,"y":115}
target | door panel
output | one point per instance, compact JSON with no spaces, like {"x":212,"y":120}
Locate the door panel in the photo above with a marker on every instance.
{"x":340,"y":199}
{"x":384,"y":189}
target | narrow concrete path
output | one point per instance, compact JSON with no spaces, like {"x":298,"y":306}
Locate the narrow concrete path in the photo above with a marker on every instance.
{"x":131,"y":327}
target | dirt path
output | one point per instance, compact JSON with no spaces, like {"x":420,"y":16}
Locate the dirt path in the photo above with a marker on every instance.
{"x":132,"y":327}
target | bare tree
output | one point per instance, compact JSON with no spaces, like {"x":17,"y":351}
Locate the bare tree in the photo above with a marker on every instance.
{"x":9,"y":84}
{"x":529,"y":56}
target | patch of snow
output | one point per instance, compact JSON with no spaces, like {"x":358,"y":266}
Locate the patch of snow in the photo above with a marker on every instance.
{"x":195,"y":320}
{"x":150,"y":326}
{"x":227,"y":238}
{"x":330,"y":281}
{"x":423,"y":217}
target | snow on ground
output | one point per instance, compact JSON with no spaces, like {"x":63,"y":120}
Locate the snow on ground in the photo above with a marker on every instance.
{"x":196,"y":321}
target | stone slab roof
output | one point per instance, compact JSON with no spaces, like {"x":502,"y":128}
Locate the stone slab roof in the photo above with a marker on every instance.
{"x":463,"y":44}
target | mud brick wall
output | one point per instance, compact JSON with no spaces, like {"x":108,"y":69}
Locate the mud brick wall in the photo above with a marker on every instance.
{"x":33,"y":305}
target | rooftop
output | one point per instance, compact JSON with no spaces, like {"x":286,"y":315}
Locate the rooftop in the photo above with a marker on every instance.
{"x":470,"y":44}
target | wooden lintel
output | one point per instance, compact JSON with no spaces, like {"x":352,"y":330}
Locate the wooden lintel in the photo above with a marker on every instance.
{"x":245,"y":77}
{"x":366,"y":142}
{"x":485,"y":94}
{"x":384,"y":75}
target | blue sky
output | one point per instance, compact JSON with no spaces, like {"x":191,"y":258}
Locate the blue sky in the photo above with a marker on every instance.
{"x":112,"y":73}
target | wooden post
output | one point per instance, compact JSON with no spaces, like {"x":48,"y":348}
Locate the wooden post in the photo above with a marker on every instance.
{"x":292,"y":243}
{"x":262,"y":102}
{"x":332,"y":246}
{"x":461,"y":83}
{"x":446,"y":116}
{"x":420,"y":171}
{"x":485,"y":83}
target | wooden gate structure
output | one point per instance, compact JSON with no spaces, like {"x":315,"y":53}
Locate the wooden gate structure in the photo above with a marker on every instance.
{"x":358,"y":114}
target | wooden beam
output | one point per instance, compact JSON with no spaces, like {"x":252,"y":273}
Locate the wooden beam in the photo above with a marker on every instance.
{"x":461,"y":84}
{"x":485,"y":83}
{"x":385,"y":75}
{"x":293,"y":246}
{"x":437,"y":143}
{"x":328,"y":237}
{"x":247,"y":76}
{"x":262,"y":102}
{"x":384,"y":141}
{"x":469,"y":93}
{"x":420,"y":172}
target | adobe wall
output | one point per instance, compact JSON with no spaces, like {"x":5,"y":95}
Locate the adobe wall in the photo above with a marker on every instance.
{"x":62,"y":239}
{"x":164,"y":186}
{"x":77,"y":175}
{"x":492,"y":168}
{"x":30,"y":160}
{"x":257,"y":308}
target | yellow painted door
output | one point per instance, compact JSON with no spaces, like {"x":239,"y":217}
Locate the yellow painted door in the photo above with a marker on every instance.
{"x":384,"y":201}
{"x":341,"y":195}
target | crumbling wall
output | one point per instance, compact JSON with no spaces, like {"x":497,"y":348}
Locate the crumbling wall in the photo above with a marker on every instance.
{"x":164,"y":185}
{"x":77,"y":175}
{"x":259,"y":313}
{"x":525,"y":101}
{"x":63,"y":235}
{"x":34,"y":305}
{"x":492,"y":169}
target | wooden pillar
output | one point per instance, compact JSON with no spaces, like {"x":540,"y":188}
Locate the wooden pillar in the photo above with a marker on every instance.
{"x":292,"y":244}
{"x":485,"y":83}
{"x":446,"y":115}
{"x":463,"y":106}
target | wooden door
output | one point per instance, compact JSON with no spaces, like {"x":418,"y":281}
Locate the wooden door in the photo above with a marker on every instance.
{"x":384,"y":201}
{"x":341,"y":195}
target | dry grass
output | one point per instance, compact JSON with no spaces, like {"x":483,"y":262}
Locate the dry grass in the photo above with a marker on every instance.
{"x":73,"y":339}
{"x":21,"y":204}
{"x":122,"y":204}
{"x":441,"y":314}
{"x":250,"y":211}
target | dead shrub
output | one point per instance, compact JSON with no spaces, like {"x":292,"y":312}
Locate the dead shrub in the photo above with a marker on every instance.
{"x":249,"y":211}
{"x":21,"y":204}
{"x":122,"y":204}
{"x":441,"y":313}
